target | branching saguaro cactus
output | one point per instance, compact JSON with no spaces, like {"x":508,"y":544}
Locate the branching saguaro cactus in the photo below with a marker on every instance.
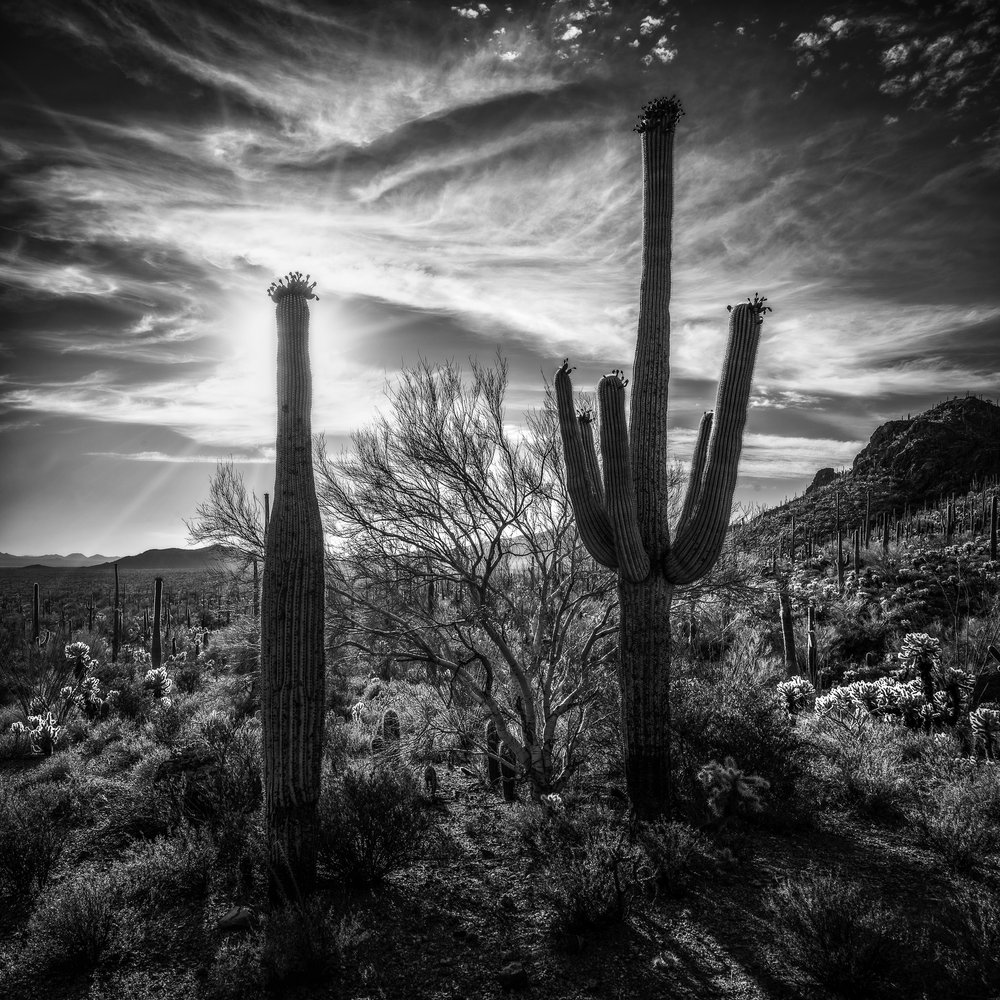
{"x":291,"y":626}
{"x":621,"y":509}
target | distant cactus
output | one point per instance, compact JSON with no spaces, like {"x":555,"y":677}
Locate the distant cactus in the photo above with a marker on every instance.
{"x":155,"y":650}
{"x":35,"y":625}
{"x":623,"y":518}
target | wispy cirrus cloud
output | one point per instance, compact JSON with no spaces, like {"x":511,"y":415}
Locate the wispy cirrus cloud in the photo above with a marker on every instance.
{"x":459,"y":182}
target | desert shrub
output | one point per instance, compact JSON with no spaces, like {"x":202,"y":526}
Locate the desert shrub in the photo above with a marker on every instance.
{"x":861,"y":768}
{"x":235,"y":973}
{"x":953,"y":819}
{"x":967,"y":943}
{"x":33,"y":834}
{"x":591,"y":886}
{"x":132,"y":700}
{"x":336,"y":742}
{"x":167,"y":871}
{"x":838,"y":934}
{"x":676,"y":856}
{"x":166,"y":722}
{"x":548,"y":827}
{"x":735,"y":715}
{"x":307,"y":946}
{"x":213,"y":778}
{"x":371,"y":823}
{"x":76,"y":924}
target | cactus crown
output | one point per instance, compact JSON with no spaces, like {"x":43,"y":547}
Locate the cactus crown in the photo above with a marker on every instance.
{"x":585,"y":415}
{"x":617,"y":373}
{"x":659,"y":113}
{"x":292,"y":283}
{"x":757,"y":305}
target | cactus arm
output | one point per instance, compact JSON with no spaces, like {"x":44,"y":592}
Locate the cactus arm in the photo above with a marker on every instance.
{"x":619,"y":487}
{"x":594,"y":477}
{"x":698,"y":546}
{"x":651,"y":368}
{"x":696,"y":480}
{"x":591,"y":518}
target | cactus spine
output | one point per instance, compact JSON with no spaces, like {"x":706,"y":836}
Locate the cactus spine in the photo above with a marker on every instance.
{"x":622,"y":514}
{"x":291,"y":627}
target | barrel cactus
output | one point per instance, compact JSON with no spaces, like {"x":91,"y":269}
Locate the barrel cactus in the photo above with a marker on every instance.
{"x":621,"y":503}
{"x":291,"y":620}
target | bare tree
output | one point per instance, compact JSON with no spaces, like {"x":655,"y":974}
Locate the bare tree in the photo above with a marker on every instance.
{"x":457,"y":550}
{"x":230,"y":516}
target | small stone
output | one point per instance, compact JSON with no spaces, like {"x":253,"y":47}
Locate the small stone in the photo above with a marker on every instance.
{"x":507,"y":903}
{"x":238,"y":918}
{"x":513,"y":977}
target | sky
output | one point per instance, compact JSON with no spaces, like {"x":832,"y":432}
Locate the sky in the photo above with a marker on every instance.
{"x":458,"y":179}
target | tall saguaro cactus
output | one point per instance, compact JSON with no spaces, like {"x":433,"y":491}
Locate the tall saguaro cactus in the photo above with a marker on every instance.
{"x":621,"y":510}
{"x":156,"y":649}
{"x":291,"y":621}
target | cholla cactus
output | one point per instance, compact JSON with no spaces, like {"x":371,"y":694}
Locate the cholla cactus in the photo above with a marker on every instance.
{"x":158,"y":684}
{"x":79,"y":653}
{"x":985,"y":723}
{"x":730,"y":791}
{"x":42,"y":732}
{"x":553,"y":803}
{"x":797,"y":692}
{"x":917,"y":648}
{"x":91,"y":702}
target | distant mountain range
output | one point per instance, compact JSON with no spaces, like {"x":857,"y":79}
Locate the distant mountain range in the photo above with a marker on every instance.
{"x":189,"y":559}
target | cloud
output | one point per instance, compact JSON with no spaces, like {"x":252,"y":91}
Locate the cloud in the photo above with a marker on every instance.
{"x":456,"y":183}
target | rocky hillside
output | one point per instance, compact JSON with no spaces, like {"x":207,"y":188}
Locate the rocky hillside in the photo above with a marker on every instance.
{"x":952,"y":448}
{"x":944,"y":450}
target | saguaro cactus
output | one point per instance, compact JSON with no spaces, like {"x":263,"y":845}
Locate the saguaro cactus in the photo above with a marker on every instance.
{"x":156,"y":650}
{"x":621,"y":510}
{"x":291,"y":626}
